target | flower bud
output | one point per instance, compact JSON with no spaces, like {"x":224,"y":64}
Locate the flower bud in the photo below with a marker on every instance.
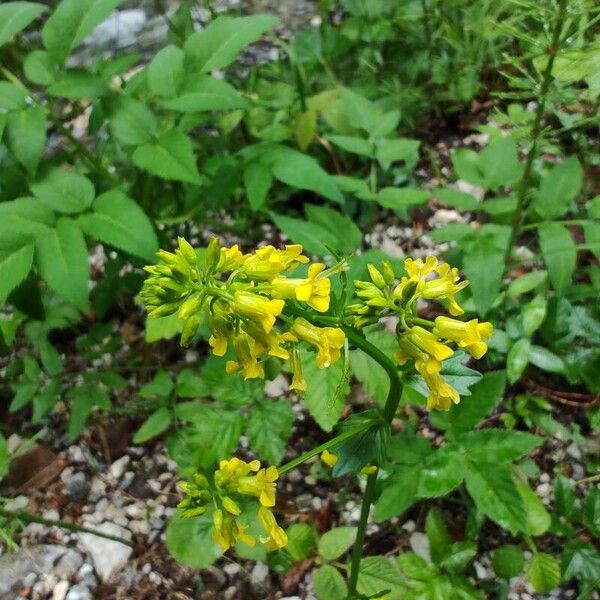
{"x":388,"y":272}
{"x":190,"y":328}
{"x":376,"y":276}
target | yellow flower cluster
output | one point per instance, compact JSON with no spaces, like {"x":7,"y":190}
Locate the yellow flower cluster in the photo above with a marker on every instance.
{"x":425,"y":342}
{"x":245,"y":295}
{"x":233,"y":483}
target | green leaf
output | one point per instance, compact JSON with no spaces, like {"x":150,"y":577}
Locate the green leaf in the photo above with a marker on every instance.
{"x":416,"y":567}
{"x":442,"y":471}
{"x":558,"y":189}
{"x":166,"y":71}
{"x":206,"y":93}
{"x":518,"y":359}
{"x":14,"y":267}
{"x":508,"y":561}
{"x":189,"y":384}
{"x":62,"y":260}
{"x":71,"y":22}
{"x":533,"y":314}
{"x":362,"y":113}
{"x":5,"y":461}
{"x":397,"y":199}
{"x":591,"y":230}
{"x":581,"y":560}
{"x":161,"y":386}
{"x":341,"y":226}
{"x":24,"y":393}
{"x":39,"y":67}
{"x":78,"y":83}
{"x":328,"y":584}
{"x":26,"y":136}
{"x":500,"y":163}
{"x":456,"y":198}
{"x":314,"y":238}
{"x":190,"y":541}
{"x":83,"y":399}
{"x":498,"y":445}
{"x":219,"y":44}
{"x":119,"y":221}
{"x":496,"y":495}
{"x":171,"y":157}
{"x":64,"y":191}
{"x":378,"y":573}
{"x":559,"y":253}
{"x":526,"y":283}
{"x":566,"y":502}
{"x":546,"y":360}
{"x":302,"y":541}
{"x":336,"y":542}
{"x":437,"y":534}
{"x":591,"y":511}
{"x":164,"y":328}
{"x":537,"y":518}
{"x":486,"y":394}
{"x":257,"y":180}
{"x":399,"y":149}
{"x":268,"y":427}
{"x":543,"y":573}
{"x":154,"y":425}
{"x":44,"y":401}
{"x":132,"y":123}
{"x":15,"y":16}
{"x":354,"y":145}
{"x":11,"y":97}
{"x":399,"y":492}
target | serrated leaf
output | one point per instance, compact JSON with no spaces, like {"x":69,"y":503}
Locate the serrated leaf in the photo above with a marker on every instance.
{"x":268,"y":427}
{"x":329,"y":584}
{"x":378,"y":573}
{"x":64,"y":191}
{"x":543,"y":573}
{"x":154,"y":425}
{"x":223,"y":39}
{"x":39,"y":67}
{"x":314,"y":238}
{"x":206,"y":93}
{"x":62,"y":259}
{"x":355,"y":145}
{"x":15,"y":16}
{"x":190,"y":541}
{"x":166,"y":71}
{"x":581,"y":560}
{"x":498,"y":445}
{"x":71,"y":22}
{"x":119,"y":221}
{"x":517,"y":359}
{"x":496,"y":495}
{"x":14,"y":267}
{"x":559,"y":253}
{"x":75,"y":84}
{"x":499,"y":162}
{"x":161,"y":386}
{"x":189,"y":384}
{"x":508,"y":561}
{"x":131,"y":122}
{"x":442,"y":471}
{"x":11,"y":97}
{"x":336,"y":542}
{"x":171,"y":157}
{"x":83,"y":399}
{"x":399,"y":492}
{"x":536,"y":516}
{"x":437,"y":534}
{"x":26,"y":136}
{"x":559,"y":187}
{"x":456,"y":198}
{"x":302,"y":541}
{"x":398,"y":149}
{"x":397,"y":199}
{"x":340,"y":225}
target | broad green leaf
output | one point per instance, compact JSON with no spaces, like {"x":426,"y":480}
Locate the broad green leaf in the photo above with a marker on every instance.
{"x":206,"y":93}
{"x":533,"y":314}
{"x":14,"y":267}
{"x":399,"y":492}
{"x":355,"y":145}
{"x":558,"y":189}
{"x":314,"y":238}
{"x":537,"y":518}
{"x":566,"y":502}
{"x":257,"y":180}
{"x":166,"y":71}
{"x":268,"y":427}
{"x":26,"y":136}
{"x":71,"y":22}
{"x":15,"y":16}
{"x":496,"y":495}
{"x":508,"y":561}
{"x":456,"y":198}
{"x":44,"y":401}
{"x":543,"y":573}
{"x":11,"y":97}
{"x":363,"y":114}
{"x":164,"y":328}
{"x":189,"y":384}
{"x":486,"y":394}
{"x":467,"y":166}
{"x":559,"y":253}
{"x":302,"y":541}
{"x":190,"y":541}
{"x":219,"y":44}
{"x":64,"y":191}
{"x":62,"y":259}
{"x":591,"y":230}
{"x":78,"y":83}
{"x":348,"y":234}
{"x":378,"y":573}
{"x":498,"y":445}
{"x":397,"y":199}
{"x":24,"y":393}
{"x":154,"y":425}
{"x":581,"y":560}
{"x":83,"y":399}
{"x":546,"y":360}
{"x":306,"y":127}
{"x":160,"y":386}
{"x":171,"y":157}
{"x":442,"y":471}
{"x":131,"y":122}
{"x":336,"y":542}
{"x":526,"y":283}
{"x":416,"y":567}
{"x":400,"y":149}
{"x":39,"y":67}
{"x":327,"y":389}
{"x":460,"y":554}
{"x":119,"y":221}
{"x":500,"y":163}
{"x":518,"y":359}
{"x":328,"y":584}
{"x":437,"y":534}
{"x":591,"y":511}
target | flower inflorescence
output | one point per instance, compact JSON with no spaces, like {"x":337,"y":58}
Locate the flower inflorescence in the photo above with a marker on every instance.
{"x":427,"y":343}
{"x":239,"y":490}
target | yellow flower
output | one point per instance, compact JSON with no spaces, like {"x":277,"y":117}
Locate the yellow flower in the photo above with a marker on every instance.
{"x":298,"y":381}
{"x":428,"y":342}
{"x":247,"y":353}
{"x":327,"y":340}
{"x":312,"y":290}
{"x":231,"y":506}
{"x":261,"y":485}
{"x":469,"y":335}
{"x":221,"y":330}
{"x":228,"y":530}
{"x":276,"y":537}
{"x":230,"y":259}
{"x":269,"y":343}
{"x":268,"y":262}
{"x":329,"y":458}
{"x":255,"y":307}
{"x":441,"y":393}
{"x":445,"y":287}
{"x":231,"y":470}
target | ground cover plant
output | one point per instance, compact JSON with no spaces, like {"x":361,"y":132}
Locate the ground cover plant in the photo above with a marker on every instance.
{"x":356,"y":260}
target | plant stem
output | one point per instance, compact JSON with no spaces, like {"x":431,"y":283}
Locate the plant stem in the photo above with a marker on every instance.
{"x":28,"y":518}
{"x":536,"y":130}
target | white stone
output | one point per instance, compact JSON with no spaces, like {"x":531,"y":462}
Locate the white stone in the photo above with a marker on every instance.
{"x":108,"y":556}
{"x":117,"y":469}
{"x":259,"y":574}
{"x":420,"y":545}
{"x":60,"y":590}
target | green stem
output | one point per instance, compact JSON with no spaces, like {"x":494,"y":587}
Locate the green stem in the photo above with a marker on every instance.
{"x":28,"y":518}
{"x":536,"y":130}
